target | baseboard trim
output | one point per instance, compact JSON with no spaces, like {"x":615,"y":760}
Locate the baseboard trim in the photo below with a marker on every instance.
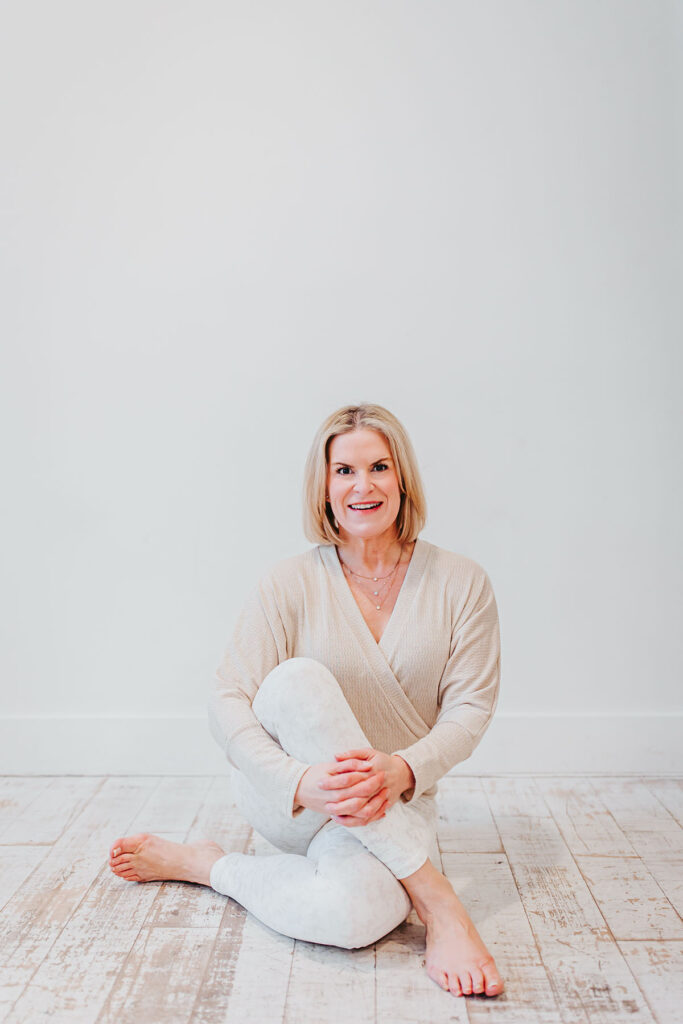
{"x":516,"y":743}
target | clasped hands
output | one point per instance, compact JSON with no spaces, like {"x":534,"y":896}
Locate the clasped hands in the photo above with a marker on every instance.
{"x":360,"y":786}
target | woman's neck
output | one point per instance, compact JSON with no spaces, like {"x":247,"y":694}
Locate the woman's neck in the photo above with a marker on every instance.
{"x":371,"y":556}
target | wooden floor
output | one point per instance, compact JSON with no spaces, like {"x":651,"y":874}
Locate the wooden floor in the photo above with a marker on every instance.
{"x":575,"y":884}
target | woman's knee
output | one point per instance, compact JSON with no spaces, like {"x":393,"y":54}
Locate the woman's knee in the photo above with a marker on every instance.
{"x":294,"y":682}
{"x":373,"y":911}
{"x":369,"y":901}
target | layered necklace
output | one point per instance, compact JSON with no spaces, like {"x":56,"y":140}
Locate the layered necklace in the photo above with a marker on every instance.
{"x":379,"y":593}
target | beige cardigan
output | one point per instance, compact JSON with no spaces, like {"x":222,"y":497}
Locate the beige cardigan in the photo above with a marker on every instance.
{"x":427,"y":691}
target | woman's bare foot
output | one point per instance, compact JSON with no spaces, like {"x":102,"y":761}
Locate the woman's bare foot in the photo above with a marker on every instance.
{"x":457,"y":959}
{"x":148,"y":858}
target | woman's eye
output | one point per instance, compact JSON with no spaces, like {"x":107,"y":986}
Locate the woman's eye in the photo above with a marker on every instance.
{"x":343,"y":470}
{"x":381,"y":465}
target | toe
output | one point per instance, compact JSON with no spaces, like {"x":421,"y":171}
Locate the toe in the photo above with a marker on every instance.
{"x":454,"y":985}
{"x":477,"y":981}
{"x":127,"y":844}
{"x":115,"y":847}
{"x":494,"y":984}
{"x":466,"y":984}
{"x":439,"y":977}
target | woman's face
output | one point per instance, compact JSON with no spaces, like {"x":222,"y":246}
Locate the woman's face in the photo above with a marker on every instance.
{"x":361,"y":471}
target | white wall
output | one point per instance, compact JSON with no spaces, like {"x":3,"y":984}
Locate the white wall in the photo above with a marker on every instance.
{"x":222,"y":220}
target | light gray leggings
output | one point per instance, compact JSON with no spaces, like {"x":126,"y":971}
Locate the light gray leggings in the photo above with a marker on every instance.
{"x":333,"y":884}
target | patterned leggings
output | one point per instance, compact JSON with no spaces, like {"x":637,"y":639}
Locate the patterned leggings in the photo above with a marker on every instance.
{"x":332,"y":884}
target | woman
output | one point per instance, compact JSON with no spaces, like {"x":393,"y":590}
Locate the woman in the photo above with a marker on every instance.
{"x":358,"y":674}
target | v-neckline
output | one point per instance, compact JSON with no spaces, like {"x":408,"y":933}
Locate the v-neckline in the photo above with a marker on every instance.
{"x":403,"y":601}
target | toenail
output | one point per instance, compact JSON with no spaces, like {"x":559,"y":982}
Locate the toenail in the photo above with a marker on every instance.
{"x":116,"y":852}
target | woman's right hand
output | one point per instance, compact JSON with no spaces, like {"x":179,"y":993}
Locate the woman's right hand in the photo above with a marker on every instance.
{"x":364,"y":785}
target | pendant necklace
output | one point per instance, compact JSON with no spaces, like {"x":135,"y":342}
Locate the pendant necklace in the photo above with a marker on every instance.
{"x":377,"y":591}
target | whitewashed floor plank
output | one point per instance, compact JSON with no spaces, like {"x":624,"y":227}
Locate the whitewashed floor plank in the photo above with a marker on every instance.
{"x":464,"y":821}
{"x":658,"y":969}
{"x":630,"y":899}
{"x":586,"y":969}
{"x":248,"y":993}
{"x":327,"y":979}
{"x":653,"y":832}
{"x":16,"y":864}
{"x":160,"y":978}
{"x":77,"y":944}
{"x":585,"y":823}
{"x":72,"y":982}
{"x":39,"y":910}
{"x":173,"y":805}
{"x":182,"y":904}
{"x":17,"y":792}
{"x":641,"y":816}
{"x":213,"y":1000}
{"x":51,"y":813}
{"x":669,"y":792}
{"x":259,"y":977}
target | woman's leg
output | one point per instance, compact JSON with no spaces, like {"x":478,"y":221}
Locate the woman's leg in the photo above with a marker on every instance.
{"x":341,"y":892}
{"x":302,"y":706}
{"x":338,"y":894}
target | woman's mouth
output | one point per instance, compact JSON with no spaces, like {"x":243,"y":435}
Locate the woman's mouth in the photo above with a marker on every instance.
{"x":365,"y":506}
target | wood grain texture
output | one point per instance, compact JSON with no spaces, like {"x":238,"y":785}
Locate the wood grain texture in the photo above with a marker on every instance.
{"x":658,"y":968}
{"x":327,"y":979}
{"x":630,"y":899}
{"x":45,"y":818}
{"x":669,"y":792}
{"x":585,"y":823}
{"x":17,"y":793}
{"x":584,"y":964}
{"x":572,"y":883}
{"x":161,"y":977}
{"x":16,"y":864}
{"x":42,"y":907}
{"x":464,"y":817}
{"x":651,"y":829}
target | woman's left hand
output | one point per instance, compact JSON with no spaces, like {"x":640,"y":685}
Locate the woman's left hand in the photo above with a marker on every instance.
{"x":343,"y":806}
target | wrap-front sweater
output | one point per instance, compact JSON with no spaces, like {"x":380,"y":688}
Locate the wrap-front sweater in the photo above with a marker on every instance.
{"x":426,"y":691}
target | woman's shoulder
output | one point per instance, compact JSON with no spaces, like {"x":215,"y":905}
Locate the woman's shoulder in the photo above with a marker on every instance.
{"x":452,"y":566}
{"x":284,"y":574}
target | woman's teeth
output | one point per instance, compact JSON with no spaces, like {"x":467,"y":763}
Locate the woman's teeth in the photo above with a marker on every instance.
{"x":365,"y":506}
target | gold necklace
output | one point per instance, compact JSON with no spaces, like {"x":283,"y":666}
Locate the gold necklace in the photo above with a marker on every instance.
{"x":375,"y":579}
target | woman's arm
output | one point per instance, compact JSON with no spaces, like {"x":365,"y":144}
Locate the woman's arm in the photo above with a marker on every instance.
{"x":468,"y":692}
{"x":258,"y":644}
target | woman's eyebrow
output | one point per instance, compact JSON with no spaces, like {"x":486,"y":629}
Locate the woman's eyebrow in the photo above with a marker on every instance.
{"x":386,"y":458}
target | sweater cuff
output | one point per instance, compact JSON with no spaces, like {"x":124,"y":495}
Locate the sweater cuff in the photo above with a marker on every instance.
{"x":299,"y":769}
{"x":430,"y":760}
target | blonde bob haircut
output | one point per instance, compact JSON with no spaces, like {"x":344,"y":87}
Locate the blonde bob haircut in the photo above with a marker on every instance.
{"x":319,"y":521}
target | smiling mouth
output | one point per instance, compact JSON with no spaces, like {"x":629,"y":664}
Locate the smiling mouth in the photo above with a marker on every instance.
{"x":365,"y":506}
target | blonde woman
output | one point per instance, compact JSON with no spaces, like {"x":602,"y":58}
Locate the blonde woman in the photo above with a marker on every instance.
{"x":358,"y":674}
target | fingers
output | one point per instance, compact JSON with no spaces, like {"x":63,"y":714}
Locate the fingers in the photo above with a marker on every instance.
{"x":366,"y":786}
{"x":356,"y":805}
{"x":362,"y":752}
{"x":376,"y":808}
{"x":348,"y":779}
{"x":351,"y":764}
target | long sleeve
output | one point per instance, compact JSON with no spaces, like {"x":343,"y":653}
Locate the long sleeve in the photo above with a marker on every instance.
{"x":258,"y":644}
{"x":468,"y":692}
